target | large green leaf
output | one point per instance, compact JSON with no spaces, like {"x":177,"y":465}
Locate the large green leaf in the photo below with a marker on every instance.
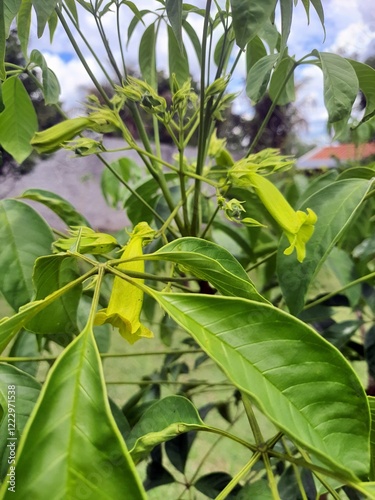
{"x":44,"y":10}
{"x":340,"y":85}
{"x":57,"y":204}
{"x":163,"y":421}
{"x":249,"y":18}
{"x":366,"y":78}
{"x":209,"y":261}
{"x":24,"y":236}
{"x":259,"y":76}
{"x":336,"y":206}
{"x":71,"y":447}
{"x":178,"y":60}
{"x":293,"y":375}
{"x":18,"y":121}
{"x":50,"y":274}
{"x":26,"y":391}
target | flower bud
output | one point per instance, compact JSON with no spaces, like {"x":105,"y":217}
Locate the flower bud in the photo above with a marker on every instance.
{"x":50,"y":140}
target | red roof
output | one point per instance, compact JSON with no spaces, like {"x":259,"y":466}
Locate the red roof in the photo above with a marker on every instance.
{"x":345,"y":152}
{"x":327,"y":156}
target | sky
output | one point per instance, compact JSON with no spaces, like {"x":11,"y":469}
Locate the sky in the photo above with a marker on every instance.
{"x":350,"y":31}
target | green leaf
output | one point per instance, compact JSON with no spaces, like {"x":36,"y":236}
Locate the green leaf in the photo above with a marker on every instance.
{"x":340,"y":85}
{"x":336,"y":272}
{"x":23,"y":25}
{"x":317,"y":4}
{"x":146,"y":55}
{"x":26,"y":391}
{"x":269,"y":355}
{"x":286,"y":7}
{"x":174,"y":13}
{"x":50,"y":274}
{"x":208,"y":261}
{"x":192,"y":34}
{"x":114,"y":192}
{"x":249,"y":18}
{"x":255,"y":50}
{"x":259,"y":76}
{"x":11,"y":8}
{"x":50,"y":83}
{"x":58,"y":205}
{"x":371,"y":401}
{"x":149,"y":190}
{"x":44,"y":10}
{"x":9,"y":327}
{"x":18,"y":121}
{"x":366,"y":79}
{"x":163,"y":421}
{"x":71,"y":446}
{"x":24,"y":236}
{"x":2,"y":107}
{"x":336,"y":205}
{"x":52,"y":25}
{"x":134,"y":22}
{"x":2,"y":42}
{"x":178,"y":60}
{"x":73,"y":9}
{"x":26,"y":345}
{"x":278,"y":79}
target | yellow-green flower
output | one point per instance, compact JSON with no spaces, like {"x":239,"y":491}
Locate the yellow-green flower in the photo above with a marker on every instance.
{"x":50,"y":140}
{"x":86,"y":240}
{"x":125,"y":304}
{"x":298,"y":226}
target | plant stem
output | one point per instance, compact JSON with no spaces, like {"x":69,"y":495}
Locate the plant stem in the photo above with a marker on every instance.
{"x":262,"y":261}
{"x":271,"y":110}
{"x":259,"y":440}
{"x":332,"y":294}
{"x":237,"y":478}
{"x":202,"y":138}
{"x":210,"y":222}
{"x":23,"y":359}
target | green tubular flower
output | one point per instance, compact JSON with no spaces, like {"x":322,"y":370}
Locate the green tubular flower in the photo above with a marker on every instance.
{"x":86,"y":240}
{"x":50,"y":140}
{"x":125,"y":304}
{"x":298,"y":226}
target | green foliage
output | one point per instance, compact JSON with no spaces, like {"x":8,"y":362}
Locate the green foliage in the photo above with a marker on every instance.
{"x":203,"y":272}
